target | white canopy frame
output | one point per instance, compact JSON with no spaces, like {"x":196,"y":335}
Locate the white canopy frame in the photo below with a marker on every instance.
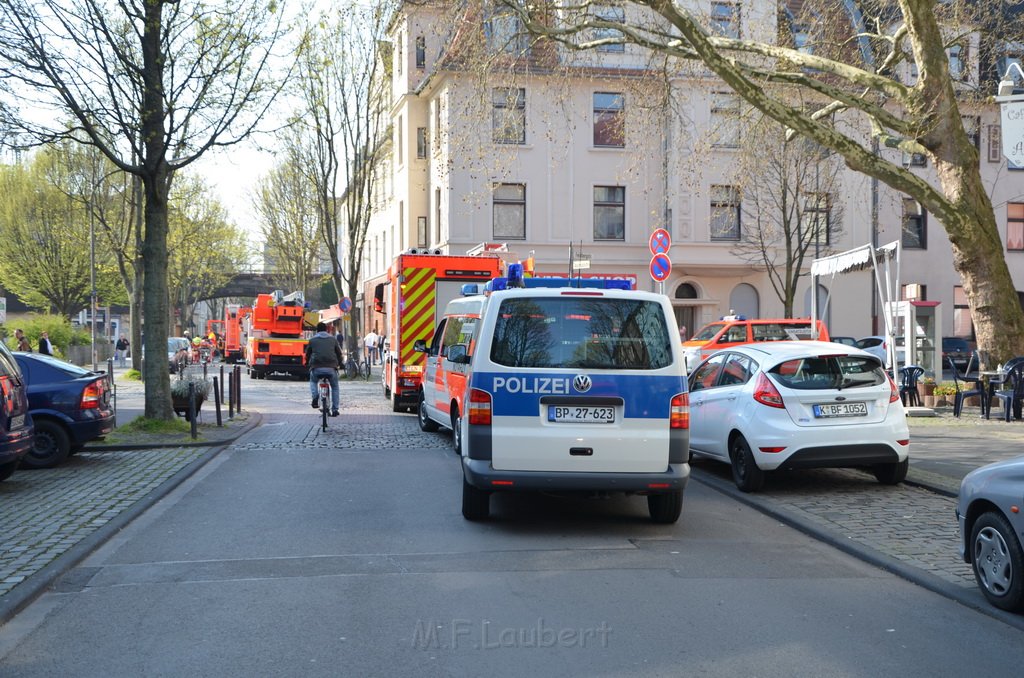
{"x":887,"y":283}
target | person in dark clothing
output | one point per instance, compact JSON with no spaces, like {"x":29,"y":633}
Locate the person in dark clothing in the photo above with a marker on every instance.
{"x":45,"y":347}
{"x":323,"y":358}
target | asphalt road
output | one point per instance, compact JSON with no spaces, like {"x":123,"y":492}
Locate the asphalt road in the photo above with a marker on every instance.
{"x":296,"y":552}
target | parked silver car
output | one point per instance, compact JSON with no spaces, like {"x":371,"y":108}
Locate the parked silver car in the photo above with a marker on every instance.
{"x":991,"y":529}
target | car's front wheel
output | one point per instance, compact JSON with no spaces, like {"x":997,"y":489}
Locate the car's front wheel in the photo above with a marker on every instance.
{"x":50,"y":446}
{"x":745,"y":472}
{"x":426,"y":423}
{"x":890,"y":474}
{"x":665,"y":508}
{"x":456,"y":431}
{"x":998,"y":561}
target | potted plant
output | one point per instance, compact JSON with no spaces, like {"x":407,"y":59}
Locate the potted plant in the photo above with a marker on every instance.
{"x":926,"y":386}
{"x":944,"y":394}
{"x":179,"y":392}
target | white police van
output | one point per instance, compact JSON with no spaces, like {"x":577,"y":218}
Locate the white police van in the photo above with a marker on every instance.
{"x":573,"y":389}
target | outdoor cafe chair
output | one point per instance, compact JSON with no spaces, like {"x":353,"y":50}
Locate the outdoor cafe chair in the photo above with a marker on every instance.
{"x":908,"y":384}
{"x":964,"y":392}
{"x":1012,"y":394}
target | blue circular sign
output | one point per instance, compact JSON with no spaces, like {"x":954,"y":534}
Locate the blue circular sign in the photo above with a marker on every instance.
{"x":345,"y":305}
{"x":661,"y":266}
{"x":660,"y":242}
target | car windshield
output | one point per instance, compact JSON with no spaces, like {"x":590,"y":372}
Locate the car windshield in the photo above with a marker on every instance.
{"x":708,"y":332}
{"x":174,"y":345}
{"x":829,"y":372}
{"x":568,"y":332}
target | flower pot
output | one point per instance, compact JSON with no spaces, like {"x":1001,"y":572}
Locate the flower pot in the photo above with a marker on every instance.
{"x":929,"y":401}
{"x":180,"y":405}
{"x":925,"y":389}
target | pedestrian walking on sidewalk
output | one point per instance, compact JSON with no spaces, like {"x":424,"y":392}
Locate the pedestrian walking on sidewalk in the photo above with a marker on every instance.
{"x":121,"y":351}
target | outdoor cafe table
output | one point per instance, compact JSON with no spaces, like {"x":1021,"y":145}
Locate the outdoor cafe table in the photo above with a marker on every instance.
{"x":990,"y":379}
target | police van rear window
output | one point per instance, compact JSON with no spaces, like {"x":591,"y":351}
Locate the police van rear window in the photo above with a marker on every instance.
{"x":568,"y":332}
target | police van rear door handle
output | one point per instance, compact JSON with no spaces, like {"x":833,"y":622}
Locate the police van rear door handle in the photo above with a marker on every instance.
{"x":581,"y":451}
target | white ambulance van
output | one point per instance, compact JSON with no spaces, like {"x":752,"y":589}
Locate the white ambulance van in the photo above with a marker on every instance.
{"x":569,"y":389}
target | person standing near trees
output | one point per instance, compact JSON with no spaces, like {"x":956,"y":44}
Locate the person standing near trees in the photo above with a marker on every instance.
{"x":121,"y":350}
{"x":45,"y":346}
{"x":370,"y":343}
{"x":22,"y":341}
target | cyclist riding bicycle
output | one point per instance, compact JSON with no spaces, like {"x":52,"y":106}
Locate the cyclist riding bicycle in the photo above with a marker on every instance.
{"x":323,"y":357}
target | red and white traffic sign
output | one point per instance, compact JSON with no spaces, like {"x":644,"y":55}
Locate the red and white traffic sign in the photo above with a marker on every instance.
{"x":661,"y":266}
{"x":660,"y":242}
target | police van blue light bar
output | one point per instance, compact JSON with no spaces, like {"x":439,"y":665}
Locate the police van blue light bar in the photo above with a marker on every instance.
{"x":498,"y":284}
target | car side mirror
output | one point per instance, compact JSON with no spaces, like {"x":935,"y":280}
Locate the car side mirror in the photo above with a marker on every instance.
{"x":458,"y":353}
{"x":420,"y":345}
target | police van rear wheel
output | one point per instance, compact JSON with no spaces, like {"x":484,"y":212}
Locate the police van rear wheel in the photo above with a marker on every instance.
{"x":426,"y":423}
{"x":476,"y":504}
{"x":665,"y":508}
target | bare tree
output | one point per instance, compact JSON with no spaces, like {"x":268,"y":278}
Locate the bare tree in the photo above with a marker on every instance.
{"x":288,"y":209}
{"x":345,"y":86}
{"x":855,"y":73}
{"x":789,"y":210}
{"x":153,"y":84}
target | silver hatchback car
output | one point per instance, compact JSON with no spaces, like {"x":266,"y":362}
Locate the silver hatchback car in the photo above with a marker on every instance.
{"x":992,"y":528}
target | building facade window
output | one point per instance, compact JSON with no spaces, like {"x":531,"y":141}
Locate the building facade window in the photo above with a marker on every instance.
{"x":915,"y":225}
{"x":963,"y":324}
{"x":818,"y":213}
{"x":972,"y":126}
{"x":508,"y":115}
{"x":509,"y":211}
{"x":609,"y":213}
{"x":422,"y":234}
{"x":399,"y":142}
{"x":1015,"y":226}
{"x":421,"y":142}
{"x":725,"y":213}
{"x":504,"y":33}
{"x":421,"y":51}
{"x":609,"y":120}
{"x":957,"y":56}
{"x":614,"y":15}
{"x":995,"y":143}
{"x":725,"y":19}
{"x":725,"y":119}
{"x":915,"y":160}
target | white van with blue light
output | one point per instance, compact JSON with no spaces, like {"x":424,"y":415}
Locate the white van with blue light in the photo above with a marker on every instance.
{"x":574,"y":386}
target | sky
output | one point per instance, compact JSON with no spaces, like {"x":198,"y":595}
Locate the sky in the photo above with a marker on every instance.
{"x":232,"y":175}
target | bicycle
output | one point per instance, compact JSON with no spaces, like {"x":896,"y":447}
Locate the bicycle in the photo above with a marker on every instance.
{"x":352,"y":368}
{"x":323,"y":386}
{"x":364,"y":369}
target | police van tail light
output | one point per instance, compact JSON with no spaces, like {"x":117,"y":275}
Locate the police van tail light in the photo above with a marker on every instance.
{"x":766,"y":393}
{"x":479,"y":407}
{"x":7,"y":394}
{"x":679,"y":416}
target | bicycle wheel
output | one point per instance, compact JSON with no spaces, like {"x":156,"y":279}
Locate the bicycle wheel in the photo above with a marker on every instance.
{"x":351,"y":369}
{"x":324,"y":411}
{"x":366,"y":371}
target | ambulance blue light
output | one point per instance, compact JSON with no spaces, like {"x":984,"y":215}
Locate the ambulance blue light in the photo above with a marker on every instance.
{"x":498,"y":284}
{"x":471,"y":289}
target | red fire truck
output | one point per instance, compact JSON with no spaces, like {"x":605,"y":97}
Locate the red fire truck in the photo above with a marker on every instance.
{"x":419,"y":285}
{"x":275,"y":341}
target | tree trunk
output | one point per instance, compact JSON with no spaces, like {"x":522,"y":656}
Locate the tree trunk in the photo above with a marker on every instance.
{"x":154,"y":250}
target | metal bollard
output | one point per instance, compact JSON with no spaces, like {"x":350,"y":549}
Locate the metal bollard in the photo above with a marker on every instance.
{"x":192,"y":409}
{"x":216,"y":399}
{"x":238,"y":388}
{"x":231,"y":395}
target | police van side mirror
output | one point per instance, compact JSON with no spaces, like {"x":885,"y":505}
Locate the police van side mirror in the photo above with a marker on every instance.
{"x":458,"y":353}
{"x":420,"y":345}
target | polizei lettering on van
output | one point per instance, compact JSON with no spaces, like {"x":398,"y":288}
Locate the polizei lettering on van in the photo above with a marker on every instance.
{"x":538,"y":385}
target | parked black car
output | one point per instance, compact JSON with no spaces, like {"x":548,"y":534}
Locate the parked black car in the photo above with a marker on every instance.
{"x":958,"y":349}
{"x":70,"y":406}
{"x":15,"y":421}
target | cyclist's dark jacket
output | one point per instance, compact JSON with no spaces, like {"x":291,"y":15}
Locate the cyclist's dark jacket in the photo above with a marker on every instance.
{"x":323,"y":351}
